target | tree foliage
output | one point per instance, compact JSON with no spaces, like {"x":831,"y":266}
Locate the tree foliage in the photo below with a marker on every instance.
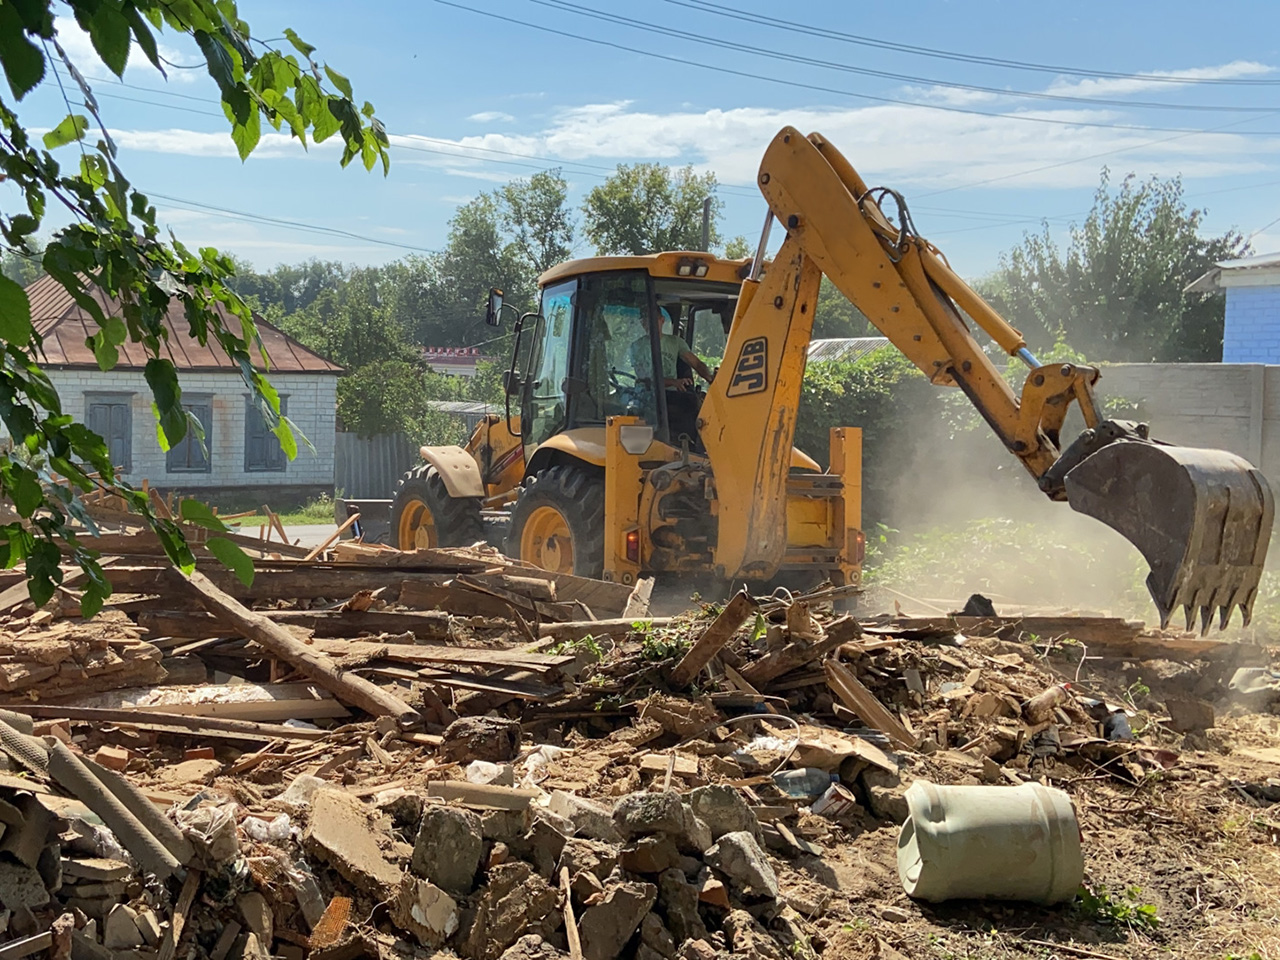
{"x":1117,"y":291}
{"x":836,"y":318}
{"x":114,"y":243}
{"x":647,"y":207}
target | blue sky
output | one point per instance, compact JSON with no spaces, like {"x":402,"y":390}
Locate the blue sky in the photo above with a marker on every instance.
{"x":472,"y":100}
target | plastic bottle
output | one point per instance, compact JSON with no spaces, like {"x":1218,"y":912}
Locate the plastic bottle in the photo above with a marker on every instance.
{"x":807,"y":782}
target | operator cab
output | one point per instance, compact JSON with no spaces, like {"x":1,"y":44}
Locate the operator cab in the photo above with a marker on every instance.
{"x":594,"y":350}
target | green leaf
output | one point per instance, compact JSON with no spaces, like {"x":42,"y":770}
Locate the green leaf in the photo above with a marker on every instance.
{"x":221,"y":67}
{"x":109,"y":31}
{"x":25,"y":491}
{"x":71,"y":129}
{"x":305,"y":49}
{"x":146,"y":40}
{"x":201,"y":514}
{"x":22,"y":60}
{"x":104,"y":351}
{"x":15,"y":312}
{"x":232,"y":557}
{"x":43,"y":572}
{"x":246,"y":135}
{"x":171,"y":419}
{"x":338,"y":80}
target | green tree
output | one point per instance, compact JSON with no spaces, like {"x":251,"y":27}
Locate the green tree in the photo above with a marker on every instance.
{"x":351,"y":323}
{"x":22,"y":268}
{"x":647,"y":207}
{"x":737,"y":248}
{"x":113,"y":243}
{"x":536,"y":216}
{"x":1117,"y":292}
{"x":395,"y":396}
{"x":836,"y":318}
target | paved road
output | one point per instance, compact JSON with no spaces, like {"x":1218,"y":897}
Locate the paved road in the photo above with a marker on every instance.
{"x":309,"y":534}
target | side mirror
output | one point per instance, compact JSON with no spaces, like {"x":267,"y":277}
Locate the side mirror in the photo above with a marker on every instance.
{"x":510,"y":382}
{"x":571,"y":386}
{"x":493,"y":312}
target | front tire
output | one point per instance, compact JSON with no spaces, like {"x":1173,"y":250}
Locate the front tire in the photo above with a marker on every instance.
{"x":558,"y":521}
{"x":424,"y":515}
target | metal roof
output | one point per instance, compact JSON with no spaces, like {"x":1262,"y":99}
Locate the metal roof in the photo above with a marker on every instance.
{"x":64,"y":326}
{"x":852,"y":348}
{"x":1210,"y":281}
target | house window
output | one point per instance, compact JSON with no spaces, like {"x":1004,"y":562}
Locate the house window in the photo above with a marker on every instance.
{"x":190,"y":455}
{"x":110,"y":416}
{"x":262,"y":450}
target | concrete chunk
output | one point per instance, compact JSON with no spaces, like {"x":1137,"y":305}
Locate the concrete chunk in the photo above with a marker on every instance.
{"x":338,"y":832}
{"x":607,"y":928}
{"x":448,"y":849}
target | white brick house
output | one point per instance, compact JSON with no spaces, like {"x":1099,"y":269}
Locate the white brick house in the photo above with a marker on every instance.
{"x":240,"y":457}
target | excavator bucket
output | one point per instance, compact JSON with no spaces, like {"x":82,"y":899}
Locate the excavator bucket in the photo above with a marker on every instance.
{"x":1201,"y":518}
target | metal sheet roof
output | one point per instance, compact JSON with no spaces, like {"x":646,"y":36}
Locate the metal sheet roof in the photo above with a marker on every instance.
{"x":852,"y":348}
{"x":65,"y":326}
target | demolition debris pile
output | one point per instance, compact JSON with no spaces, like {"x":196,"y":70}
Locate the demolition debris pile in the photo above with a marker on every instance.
{"x":367,"y":752}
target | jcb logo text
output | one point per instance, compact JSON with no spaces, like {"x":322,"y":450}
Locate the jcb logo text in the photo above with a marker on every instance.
{"x":751,"y":372}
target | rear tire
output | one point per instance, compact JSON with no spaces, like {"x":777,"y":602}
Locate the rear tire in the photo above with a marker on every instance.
{"x":558,"y":521}
{"x":424,"y":515}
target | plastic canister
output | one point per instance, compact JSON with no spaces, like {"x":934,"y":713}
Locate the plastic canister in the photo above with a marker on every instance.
{"x":999,"y":843}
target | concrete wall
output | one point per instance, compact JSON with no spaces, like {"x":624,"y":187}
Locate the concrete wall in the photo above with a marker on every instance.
{"x":1251,"y":332}
{"x":1231,"y":406}
{"x":310,"y":405}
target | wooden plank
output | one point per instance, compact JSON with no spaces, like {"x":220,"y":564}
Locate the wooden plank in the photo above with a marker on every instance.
{"x":425,"y":595}
{"x":486,"y":796}
{"x":468,"y":681}
{"x":864,"y":703}
{"x":333,"y":537}
{"x":720,"y":632}
{"x":144,"y":719}
{"x":281,"y":643}
{"x":273,"y":580}
{"x":243,"y":702}
{"x":658,"y":762}
{"x":338,"y":623}
{"x":798,"y":653}
{"x":570,"y":924}
{"x":559,"y":612}
{"x":577,"y":629}
{"x":173,"y":936}
{"x":438,"y":653}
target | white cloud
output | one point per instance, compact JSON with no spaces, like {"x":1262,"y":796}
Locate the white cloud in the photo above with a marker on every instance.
{"x":196,"y":143}
{"x":912,"y":145}
{"x":1113,"y":86}
{"x":79,"y":48}
{"x":889,"y":143}
{"x":491,"y":116}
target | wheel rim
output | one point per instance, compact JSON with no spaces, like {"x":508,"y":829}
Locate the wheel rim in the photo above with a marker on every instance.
{"x":546,"y":541}
{"x":417,"y":527}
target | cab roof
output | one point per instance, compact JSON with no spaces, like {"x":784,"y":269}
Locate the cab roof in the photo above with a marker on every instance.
{"x":665,"y":265}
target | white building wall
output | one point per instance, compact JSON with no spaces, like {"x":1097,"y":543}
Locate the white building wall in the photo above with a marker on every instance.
{"x":311,"y":405}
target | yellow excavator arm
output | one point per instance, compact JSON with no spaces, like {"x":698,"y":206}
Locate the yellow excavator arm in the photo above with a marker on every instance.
{"x":1201,"y":518}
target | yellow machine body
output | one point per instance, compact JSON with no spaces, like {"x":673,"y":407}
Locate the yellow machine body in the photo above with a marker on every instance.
{"x":613,"y":471}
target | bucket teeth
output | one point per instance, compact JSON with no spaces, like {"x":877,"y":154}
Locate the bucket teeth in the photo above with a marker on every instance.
{"x":1201,"y":518}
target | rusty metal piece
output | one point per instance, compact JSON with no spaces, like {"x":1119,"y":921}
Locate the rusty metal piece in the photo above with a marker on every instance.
{"x":329,"y":929}
{"x":1201,"y":519}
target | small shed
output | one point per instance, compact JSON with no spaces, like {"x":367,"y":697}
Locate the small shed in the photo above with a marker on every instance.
{"x":240,"y":456}
{"x":1251,"y":326}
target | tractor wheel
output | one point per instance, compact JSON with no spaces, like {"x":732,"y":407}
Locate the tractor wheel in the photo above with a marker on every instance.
{"x":558,"y":521}
{"x":424,"y":515}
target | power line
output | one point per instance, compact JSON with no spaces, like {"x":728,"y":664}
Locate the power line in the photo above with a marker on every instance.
{"x":826,"y":33}
{"x":289,"y":224}
{"x":728,"y":71}
{"x":592,"y":13}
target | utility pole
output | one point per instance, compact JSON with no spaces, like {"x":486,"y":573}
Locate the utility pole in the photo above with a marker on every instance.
{"x":706,"y":224}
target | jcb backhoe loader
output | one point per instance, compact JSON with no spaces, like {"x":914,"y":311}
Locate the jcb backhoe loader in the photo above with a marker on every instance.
{"x":606,"y":464}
